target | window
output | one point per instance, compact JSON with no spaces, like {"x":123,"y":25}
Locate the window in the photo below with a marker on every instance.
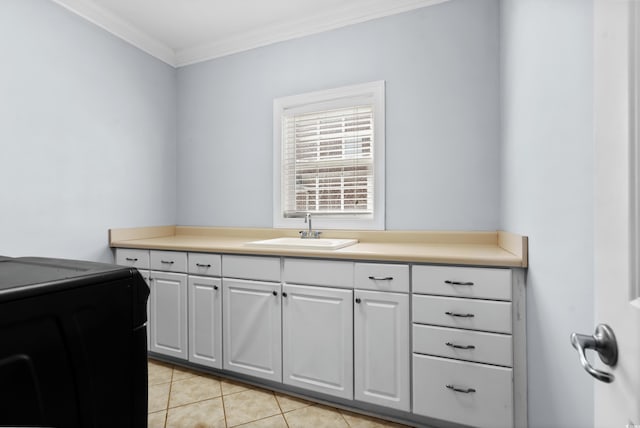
{"x":329,"y":158}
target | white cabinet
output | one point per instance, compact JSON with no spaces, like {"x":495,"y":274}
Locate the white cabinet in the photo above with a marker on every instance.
{"x":205,"y":264}
{"x":132,"y":257}
{"x":381,"y":341}
{"x":184,"y":311}
{"x":205,"y":309}
{"x":467,"y":393}
{"x":343,"y":329}
{"x":252,"y":328}
{"x":382,"y":277}
{"x":317,"y":339}
{"x":205,"y":321}
{"x":252,"y":316}
{"x":168,"y":305}
{"x":168,"y":261}
{"x":138,"y":259}
{"x":468,"y":349}
{"x":471,"y":314}
{"x":168,"y":314}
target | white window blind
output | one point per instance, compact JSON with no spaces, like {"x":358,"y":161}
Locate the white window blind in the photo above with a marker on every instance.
{"x":328,"y":157}
{"x":327,"y":162}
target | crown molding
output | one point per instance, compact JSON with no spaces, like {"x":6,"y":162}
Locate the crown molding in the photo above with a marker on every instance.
{"x":120,"y":28}
{"x":292,"y":30}
{"x":264,"y":36}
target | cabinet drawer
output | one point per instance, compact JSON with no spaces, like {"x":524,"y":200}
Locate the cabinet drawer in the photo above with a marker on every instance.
{"x":467,"y":345}
{"x":251,"y":267}
{"x":462,"y":313}
{"x":478,"y":283}
{"x":484,"y":396}
{"x":382,"y":277}
{"x":319,"y":272}
{"x":205,"y":264}
{"x":169,"y":261}
{"x":133,"y":258}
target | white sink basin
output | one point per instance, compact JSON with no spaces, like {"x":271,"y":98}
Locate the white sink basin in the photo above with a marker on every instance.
{"x":299,"y":243}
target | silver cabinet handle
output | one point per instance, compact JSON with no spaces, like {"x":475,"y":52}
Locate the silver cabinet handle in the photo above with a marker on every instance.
{"x":381,"y":278}
{"x":453,"y":345}
{"x":131,"y":259}
{"x":203,"y":265}
{"x":604,"y":343}
{"x":468,"y":283}
{"x":463,"y":390}
{"x":167,"y":262}
{"x":455,"y":314}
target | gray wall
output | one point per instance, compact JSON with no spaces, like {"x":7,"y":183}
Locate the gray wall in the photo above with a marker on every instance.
{"x":547,"y":192}
{"x":87,"y":134}
{"x":441,"y":68}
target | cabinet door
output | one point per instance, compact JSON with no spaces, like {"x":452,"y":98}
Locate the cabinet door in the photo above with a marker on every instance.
{"x":168,"y":314}
{"x":205,"y":321}
{"x":252,"y":328}
{"x":382,"y":352}
{"x":317,"y":339}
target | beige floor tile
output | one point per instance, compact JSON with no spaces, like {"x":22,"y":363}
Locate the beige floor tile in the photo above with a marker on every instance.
{"x":197,"y":400}
{"x":276,"y":421}
{"x":361,"y":421}
{"x":288,"y":403}
{"x":180,"y":373}
{"x":316,"y":417}
{"x":157,"y":419}
{"x":158,"y":397}
{"x":159,"y":372}
{"x":248,"y":406}
{"x":209,"y":414}
{"x":193,"y":389}
{"x":231,"y":387}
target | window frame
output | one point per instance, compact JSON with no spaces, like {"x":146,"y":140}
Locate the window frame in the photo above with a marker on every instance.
{"x":374,"y":93}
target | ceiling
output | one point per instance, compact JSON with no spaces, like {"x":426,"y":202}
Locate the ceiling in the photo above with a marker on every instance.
{"x":182,"y":32}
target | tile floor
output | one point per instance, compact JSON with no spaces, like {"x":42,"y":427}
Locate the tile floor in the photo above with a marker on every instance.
{"x":183,"y":398}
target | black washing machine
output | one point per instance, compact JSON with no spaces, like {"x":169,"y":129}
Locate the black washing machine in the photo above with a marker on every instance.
{"x":73,"y":347}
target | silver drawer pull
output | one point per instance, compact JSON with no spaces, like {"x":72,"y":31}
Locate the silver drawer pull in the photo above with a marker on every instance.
{"x":453,"y":345}
{"x":458,"y":283}
{"x":202,"y":265}
{"x":455,"y":314}
{"x":167,"y":262}
{"x":131,"y":259}
{"x":463,"y":390}
{"x":381,"y":278}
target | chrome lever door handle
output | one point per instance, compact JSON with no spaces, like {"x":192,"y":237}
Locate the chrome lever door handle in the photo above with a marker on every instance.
{"x":604,"y":343}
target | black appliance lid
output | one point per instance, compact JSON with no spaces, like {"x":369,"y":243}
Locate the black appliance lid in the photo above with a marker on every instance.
{"x":37,"y":272}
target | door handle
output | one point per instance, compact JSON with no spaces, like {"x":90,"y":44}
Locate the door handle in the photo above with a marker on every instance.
{"x":604,"y":343}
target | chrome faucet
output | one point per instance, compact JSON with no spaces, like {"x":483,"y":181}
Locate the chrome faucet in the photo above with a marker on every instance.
{"x":309,"y":233}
